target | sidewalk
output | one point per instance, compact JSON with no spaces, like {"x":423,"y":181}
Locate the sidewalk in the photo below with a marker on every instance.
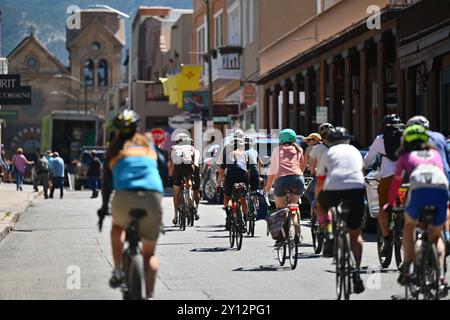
{"x":12,"y":204}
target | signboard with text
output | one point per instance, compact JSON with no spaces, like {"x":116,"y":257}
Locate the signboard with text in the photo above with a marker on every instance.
{"x":12,"y":93}
{"x":195,"y":101}
{"x":9,"y":115}
{"x":321,"y":115}
{"x":224,"y":110}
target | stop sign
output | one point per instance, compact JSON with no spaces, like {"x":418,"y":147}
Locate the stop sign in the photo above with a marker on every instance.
{"x":158,"y":135}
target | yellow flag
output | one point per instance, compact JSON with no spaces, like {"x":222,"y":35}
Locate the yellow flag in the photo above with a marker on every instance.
{"x":173,"y":89}
{"x":165,"y":83}
{"x":188,"y":80}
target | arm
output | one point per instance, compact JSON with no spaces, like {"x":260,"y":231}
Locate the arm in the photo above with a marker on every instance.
{"x":221,"y":174}
{"x":272,"y":171}
{"x":375,"y":149}
{"x":319,"y":186}
{"x":107,"y":186}
{"x":396,"y":183}
{"x":322,"y":171}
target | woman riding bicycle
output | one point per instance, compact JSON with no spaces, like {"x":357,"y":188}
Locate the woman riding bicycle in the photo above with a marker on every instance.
{"x":234,"y":163}
{"x":421,"y":165}
{"x":285,"y":169}
{"x":132,"y":171}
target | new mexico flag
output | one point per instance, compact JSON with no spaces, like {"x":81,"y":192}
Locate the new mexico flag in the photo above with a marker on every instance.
{"x":187,"y":80}
{"x":172,"y":87}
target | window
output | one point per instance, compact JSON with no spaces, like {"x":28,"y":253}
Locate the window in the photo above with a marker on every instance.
{"x":89,"y":73}
{"x":96,"y":46}
{"x":200,"y":44}
{"x":234,"y":25}
{"x":32,"y":62}
{"x":102,"y":73}
{"x":218,"y":29}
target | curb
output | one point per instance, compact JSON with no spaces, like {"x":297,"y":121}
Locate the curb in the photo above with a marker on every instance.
{"x":9,"y":219}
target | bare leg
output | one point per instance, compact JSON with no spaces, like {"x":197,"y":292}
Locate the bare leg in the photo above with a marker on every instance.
{"x":357,"y":245}
{"x":151,"y":265}
{"x":117,"y":245}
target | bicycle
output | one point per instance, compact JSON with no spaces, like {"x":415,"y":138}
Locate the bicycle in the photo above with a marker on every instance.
{"x":291,"y":234}
{"x":426,"y":262}
{"x":345,"y":262}
{"x":253,"y":206}
{"x":132,"y":265}
{"x":236,"y":231}
{"x":396,"y":221}
{"x":185,"y":210}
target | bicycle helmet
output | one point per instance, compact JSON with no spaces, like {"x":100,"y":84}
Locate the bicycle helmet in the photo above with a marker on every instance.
{"x":324,"y":127}
{"x":181,"y":137}
{"x":415,"y":133}
{"x":238,"y":133}
{"x":238,"y":142}
{"x":390,"y":119}
{"x":338,"y":135}
{"x":249,"y":139}
{"x":420,"y":120}
{"x":288,"y":136}
{"x":127,"y":121}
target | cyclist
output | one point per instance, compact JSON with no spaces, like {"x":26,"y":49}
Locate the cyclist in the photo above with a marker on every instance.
{"x":131,"y":170}
{"x":320,"y":149}
{"x":196,"y":180}
{"x":254,"y":162}
{"x":285,"y":170}
{"x":422,"y":165}
{"x":234,"y":163}
{"x":438,"y":141}
{"x":379,"y":147}
{"x":312,"y":140}
{"x":181,"y":164}
{"x":340,"y":176}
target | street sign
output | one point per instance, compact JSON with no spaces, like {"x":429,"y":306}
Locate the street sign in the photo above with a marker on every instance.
{"x":12,"y":93}
{"x":222,"y":119}
{"x":9,"y":114}
{"x":321,"y":115}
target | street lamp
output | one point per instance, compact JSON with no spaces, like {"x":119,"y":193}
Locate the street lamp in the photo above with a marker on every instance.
{"x":82,"y":83}
{"x":210,"y":85}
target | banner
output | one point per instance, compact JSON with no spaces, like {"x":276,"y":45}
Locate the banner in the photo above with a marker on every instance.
{"x":188,"y":80}
{"x":173,"y":89}
{"x":195,"y":101}
{"x":165,"y":83}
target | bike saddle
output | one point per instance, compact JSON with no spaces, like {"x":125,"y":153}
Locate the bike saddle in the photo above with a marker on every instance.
{"x":427,"y":214}
{"x":138,"y":213}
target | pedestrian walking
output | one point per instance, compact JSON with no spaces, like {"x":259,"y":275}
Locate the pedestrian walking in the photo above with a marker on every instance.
{"x":57,"y":168}
{"x":93,"y":174}
{"x":42,"y":168}
{"x":20,"y":163}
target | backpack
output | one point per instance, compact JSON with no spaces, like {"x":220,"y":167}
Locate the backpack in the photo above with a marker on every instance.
{"x":428,"y":176}
{"x":392,"y":136}
{"x":42,"y":166}
{"x":182,"y":154}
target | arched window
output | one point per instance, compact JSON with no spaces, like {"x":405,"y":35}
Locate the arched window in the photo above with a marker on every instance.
{"x":89,"y":73}
{"x":103,"y":73}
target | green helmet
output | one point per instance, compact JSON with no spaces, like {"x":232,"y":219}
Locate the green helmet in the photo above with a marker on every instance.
{"x":415,"y":133}
{"x":287,"y":136}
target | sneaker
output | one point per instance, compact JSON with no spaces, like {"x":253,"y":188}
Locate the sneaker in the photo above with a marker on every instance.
{"x":443,"y":288}
{"x":406,"y":275}
{"x":358,"y":284}
{"x":116,"y":279}
{"x":328,"y":248}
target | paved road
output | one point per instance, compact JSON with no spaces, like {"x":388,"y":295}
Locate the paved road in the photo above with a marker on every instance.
{"x":37,"y":259}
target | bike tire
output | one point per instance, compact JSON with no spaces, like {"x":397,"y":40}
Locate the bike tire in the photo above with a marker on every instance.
{"x":399,"y":250}
{"x":316,"y":235}
{"x":251,"y":228}
{"x":430,"y":273}
{"x":136,"y":278}
{"x":281,"y":254}
{"x":293,"y":244}
{"x":343,"y":268}
{"x":239,"y":230}
{"x":231,"y":234}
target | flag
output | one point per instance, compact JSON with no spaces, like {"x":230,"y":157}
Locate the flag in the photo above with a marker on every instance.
{"x":188,"y":80}
{"x":172,"y":87}
{"x":165,"y":83}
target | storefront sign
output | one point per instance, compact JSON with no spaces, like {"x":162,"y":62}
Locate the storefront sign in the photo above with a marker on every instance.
{"x":220,"y":120}
{"x":223,"y":110}
{"x":12,"y":93}
{"x":195,"y":101}
{"x":9,"y":115}
{"x":321,"y":115}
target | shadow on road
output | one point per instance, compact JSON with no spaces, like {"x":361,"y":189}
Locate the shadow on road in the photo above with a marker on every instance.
{"x":210,"y":249}
{"x":263,"y":268}
{"x":305,"y":256}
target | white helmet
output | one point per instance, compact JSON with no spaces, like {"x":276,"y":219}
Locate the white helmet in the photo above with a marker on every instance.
{"x":420,"y":120}
{"x":181,"y":137}
{"x":238,"y":133}
{"x":249,"y":139}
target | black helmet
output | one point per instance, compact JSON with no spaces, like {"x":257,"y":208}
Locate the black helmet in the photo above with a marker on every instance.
{"x":127,"y":121}
{"x":390,"y":119}
{"x":338,"y":135}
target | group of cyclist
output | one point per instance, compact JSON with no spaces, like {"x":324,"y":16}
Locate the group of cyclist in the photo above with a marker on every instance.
{"x":336,"y":168}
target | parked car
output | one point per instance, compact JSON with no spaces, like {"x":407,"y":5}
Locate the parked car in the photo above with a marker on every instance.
{"x":82,"y":165}
{"x":209,"y":173}
{"x":371,"y":204}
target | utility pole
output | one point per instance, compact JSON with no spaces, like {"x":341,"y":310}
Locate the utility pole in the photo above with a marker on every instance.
{"x":210,"y":83}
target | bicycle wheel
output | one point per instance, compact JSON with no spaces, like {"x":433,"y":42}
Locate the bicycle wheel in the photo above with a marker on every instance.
{"x":429,"y":285}
{"x":316,"y":235}
{"x":385,"y":262}
{"x":293,"y":246}
{"x":342,"y":268}
{"x":281,"y":253}
{"x":136,"y":278}
{"x":239,"y":228}
{"x":231,"y":233}
{"x":183,"y":219}
{"x":399,"y":251}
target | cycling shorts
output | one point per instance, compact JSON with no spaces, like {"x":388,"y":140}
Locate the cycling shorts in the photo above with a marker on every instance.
{"x":181,"y":172}
{"x":355,"y":197}
{"x":293,"y":184}
{"x":422,"y":197}
{"x":234,"y":176}
{"x":254,"y":181}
